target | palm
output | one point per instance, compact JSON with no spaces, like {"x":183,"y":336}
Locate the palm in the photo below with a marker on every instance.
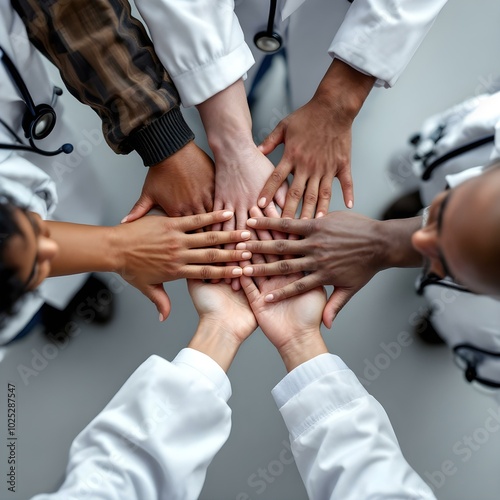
{"x":228,"y":309}
{"x":283,"y":320}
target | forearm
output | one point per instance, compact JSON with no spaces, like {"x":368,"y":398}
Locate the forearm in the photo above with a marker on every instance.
{"x":227,"y":121}
{"x":153,"y":423}
{"x":209,"y":339}
{"x":108,"y":62}
{"x":399,"y":251}
{"x":82,"y":248}
{"x":344,"y":89}
{"x":342,"y":440}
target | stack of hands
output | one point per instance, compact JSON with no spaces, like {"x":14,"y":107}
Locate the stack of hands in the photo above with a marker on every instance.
{"x":317,"y":140}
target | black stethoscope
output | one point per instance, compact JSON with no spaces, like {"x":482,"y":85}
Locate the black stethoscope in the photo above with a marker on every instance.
{"x":38,"y":121}
{"x":269,"y":41}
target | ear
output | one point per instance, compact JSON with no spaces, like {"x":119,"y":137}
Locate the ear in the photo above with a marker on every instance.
{"x":425,"y":242}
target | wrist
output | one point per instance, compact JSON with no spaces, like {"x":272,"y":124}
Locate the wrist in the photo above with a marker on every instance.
{"x":226,"y":144}
{"x":214,"y":341}
{"x":301,"y":348}
{"x":227,"y":120}
{"x":344,"y":88}
{"x":117,"y":244}
{"x":396,"y":236}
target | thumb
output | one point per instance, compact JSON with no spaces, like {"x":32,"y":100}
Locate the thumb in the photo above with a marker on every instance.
{"x":280,"y":195}
{"x":275,"y":138}
{"x":157,"y":295}
{"x":338,"y":299}
{"x":142,"y":206}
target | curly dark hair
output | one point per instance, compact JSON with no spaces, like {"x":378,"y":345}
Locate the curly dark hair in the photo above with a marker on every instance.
{"x":11,"y":287}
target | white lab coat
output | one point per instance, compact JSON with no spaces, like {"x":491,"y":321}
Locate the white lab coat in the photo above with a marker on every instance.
{"x":207,"y":45}
{"x":78,"y":193}
{"x":158,"y":435}
{"x":464,"y":123}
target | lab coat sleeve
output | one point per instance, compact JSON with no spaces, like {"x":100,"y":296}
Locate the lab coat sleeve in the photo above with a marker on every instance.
{"x":156,"y":437}
{"x":379,"y":37}
{"x":27,"y":185}
{"x":342,"y":440}
{"x":200,"y":43}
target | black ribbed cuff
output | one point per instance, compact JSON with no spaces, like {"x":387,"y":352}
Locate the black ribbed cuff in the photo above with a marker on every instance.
{"x":161,"y":138}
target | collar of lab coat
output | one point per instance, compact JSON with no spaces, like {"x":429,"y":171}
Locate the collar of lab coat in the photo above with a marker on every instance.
{"x":290,"y":7}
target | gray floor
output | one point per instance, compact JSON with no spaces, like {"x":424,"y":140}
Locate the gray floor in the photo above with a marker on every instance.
{"x":431,"y":407}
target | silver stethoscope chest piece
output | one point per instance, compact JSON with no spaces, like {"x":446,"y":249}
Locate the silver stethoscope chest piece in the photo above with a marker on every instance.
{"x":267,"y":42}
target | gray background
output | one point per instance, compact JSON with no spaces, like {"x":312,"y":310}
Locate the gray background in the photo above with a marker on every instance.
{"x":429,"y":404}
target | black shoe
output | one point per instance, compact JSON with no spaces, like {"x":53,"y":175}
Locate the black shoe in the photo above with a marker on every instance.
{"x":405,"y":207}
{"x":93,"y":303}
{"x":425,"y":330}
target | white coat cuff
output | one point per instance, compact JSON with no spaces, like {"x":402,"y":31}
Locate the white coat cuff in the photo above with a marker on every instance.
{"x":27,"y":185}
{"x":378,"y":81}
{"x":199,"y":84}
{"x":381,"y":41}
{"x":314,"y":390}
{"x":200,"y":364}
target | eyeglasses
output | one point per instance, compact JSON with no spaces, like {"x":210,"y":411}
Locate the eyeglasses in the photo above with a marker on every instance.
{"x":426,"y":279}
{"x":469,"y":358}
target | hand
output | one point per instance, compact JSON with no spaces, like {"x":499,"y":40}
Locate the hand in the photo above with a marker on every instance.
{"x":238,"y":187}
{"x":292,"y":326}
{"x":317,"y":148}
{"x":241,"y":169}
{"x":226,"y":321}
{"x":156,"y":249}
{"x":342,"y":249}
{"x":182,"y":184}
{"x":225,"y":309}
{"x":238,"y":181}
{"x":317,"y":140}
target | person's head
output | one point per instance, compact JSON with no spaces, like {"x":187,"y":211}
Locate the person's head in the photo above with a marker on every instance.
{"x":462,"y":236}
{"x":26,"y":252}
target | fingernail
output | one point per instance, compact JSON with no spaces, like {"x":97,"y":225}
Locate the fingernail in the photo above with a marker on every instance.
{"x":125,"y":219}
{"x":245,"y":234}
{"x":260,"y":147}
{"x":319,"y":215}
{"x":237,"y":272}
{"x":269,"y":298}
{"x":248,"y":271}
{"x":304,"y":217}
{"x":251,"y":222}
{"x":161,"y":317}
{"x":227,"y":213}
{"x":262,"y":203}
{"x":350,"y":204}
{"x":241,"y":246}
{"x":246,"y":255}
